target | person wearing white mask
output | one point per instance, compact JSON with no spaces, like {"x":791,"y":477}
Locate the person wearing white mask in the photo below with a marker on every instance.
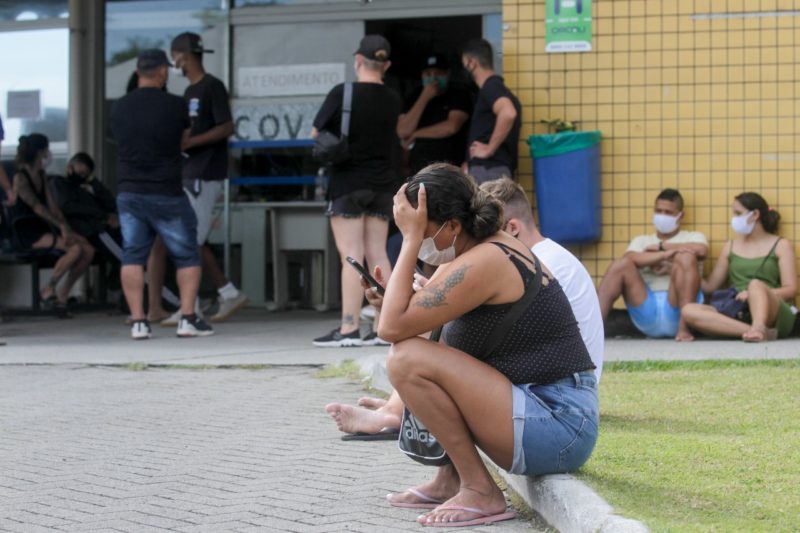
{"x":761,"y":266}
{"x":659,"y":273}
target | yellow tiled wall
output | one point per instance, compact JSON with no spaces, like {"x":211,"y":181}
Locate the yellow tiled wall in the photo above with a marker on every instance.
{"x":701,"y":95}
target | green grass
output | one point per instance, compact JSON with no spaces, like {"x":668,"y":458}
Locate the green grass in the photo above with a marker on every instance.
{"x":700,"y":445}
{"x":346,"y":369}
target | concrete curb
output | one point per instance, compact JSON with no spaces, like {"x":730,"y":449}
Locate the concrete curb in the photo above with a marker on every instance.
{"x":562,"y":500}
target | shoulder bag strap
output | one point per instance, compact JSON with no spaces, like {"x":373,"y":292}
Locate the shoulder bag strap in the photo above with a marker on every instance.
{"x":499,"y":332}
{"x":767,"y":257}
{"x":347,"y":106}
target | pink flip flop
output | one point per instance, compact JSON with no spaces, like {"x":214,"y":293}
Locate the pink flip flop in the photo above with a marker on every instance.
{"x":426,"y":503}
{"x":485,"y":518}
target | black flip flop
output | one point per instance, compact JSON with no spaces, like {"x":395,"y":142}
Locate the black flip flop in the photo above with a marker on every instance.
{"x":384,"y":434}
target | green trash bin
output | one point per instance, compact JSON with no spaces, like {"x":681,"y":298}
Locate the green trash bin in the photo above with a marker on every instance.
{"x":566,"y":172}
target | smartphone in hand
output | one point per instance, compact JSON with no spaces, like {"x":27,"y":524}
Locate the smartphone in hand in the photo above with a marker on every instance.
{"x":366,"y":275}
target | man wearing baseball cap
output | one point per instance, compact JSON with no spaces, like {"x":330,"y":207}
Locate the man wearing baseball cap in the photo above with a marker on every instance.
{"x":433,"y":126}
{"x":361,"y":188}
{"x":149,"y":126}
{"x":206,"y":167}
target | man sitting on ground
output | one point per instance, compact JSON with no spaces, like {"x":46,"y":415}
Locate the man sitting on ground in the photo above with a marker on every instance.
{"x":659,"y":273}
{"x":375,"y":418}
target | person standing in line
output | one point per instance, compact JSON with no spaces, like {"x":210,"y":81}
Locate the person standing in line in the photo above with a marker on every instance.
{"x":205,"y":169}
{"x":362,"y":187}
{"x":433,"y":127}
{"x":496,"y":119}
{"x":149,"y":126}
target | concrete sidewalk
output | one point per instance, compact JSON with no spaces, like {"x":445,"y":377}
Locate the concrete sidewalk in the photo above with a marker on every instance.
{"x":256,"y":337}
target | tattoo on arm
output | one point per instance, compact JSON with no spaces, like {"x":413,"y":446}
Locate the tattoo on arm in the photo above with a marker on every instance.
{"x":28,"y":195}
{"x":435,"y":295}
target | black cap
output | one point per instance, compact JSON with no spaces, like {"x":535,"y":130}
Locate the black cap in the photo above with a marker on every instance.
{"x":152,"y":58}
{"x":189,"y":42}
{"x":436,"y":61}
{"x":375,"y":47}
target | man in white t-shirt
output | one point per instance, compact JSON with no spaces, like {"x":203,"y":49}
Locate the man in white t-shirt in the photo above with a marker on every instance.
{"x":363,"y":423}
{"x":567,"y":269}
{"x":659,"y":273}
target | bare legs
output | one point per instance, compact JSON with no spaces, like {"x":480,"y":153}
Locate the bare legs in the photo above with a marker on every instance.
{"x":439,"y":386}
{"x":78,"y":255}
{"x":358,"y":238}
{"x":621,"y":279}
{"x":133,"y":286}
{"x":684,"y":285}
{"x":763,"y":309}
{"x":156,"y":268}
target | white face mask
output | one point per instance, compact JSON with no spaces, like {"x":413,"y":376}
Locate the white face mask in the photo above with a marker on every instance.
{"x":428,"y":252}
{"x":665,"y":223}
{"x":740,"y":224}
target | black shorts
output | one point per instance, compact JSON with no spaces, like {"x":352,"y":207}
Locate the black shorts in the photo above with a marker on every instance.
{"x":362,"y":202}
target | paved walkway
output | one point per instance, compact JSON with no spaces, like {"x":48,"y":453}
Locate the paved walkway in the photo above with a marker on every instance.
{"x":89,"y":443}
{"x":88,"y":448}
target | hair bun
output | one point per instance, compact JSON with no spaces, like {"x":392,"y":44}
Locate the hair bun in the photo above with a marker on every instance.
{"x":486,"y":212}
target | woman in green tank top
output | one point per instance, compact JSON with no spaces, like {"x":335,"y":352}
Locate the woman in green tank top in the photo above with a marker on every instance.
{"x":761,"y":266}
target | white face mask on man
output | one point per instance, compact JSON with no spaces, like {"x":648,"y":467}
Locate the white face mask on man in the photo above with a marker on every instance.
{"x":740,"y":224}
{"x":665,"y":223}
{"x":428,"y":252}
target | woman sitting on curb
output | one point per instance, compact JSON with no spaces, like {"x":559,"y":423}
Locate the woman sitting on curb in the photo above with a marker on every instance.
{"x":761,"y":266}
{"x":531,"y":406}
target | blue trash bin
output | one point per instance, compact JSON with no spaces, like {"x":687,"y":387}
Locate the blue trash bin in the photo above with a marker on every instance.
{"x":566,"y":171}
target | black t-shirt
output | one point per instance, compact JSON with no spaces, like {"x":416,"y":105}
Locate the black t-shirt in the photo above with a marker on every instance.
{"x":449,"y":149}
{"x":148,"y":125}
{"x":374,"y":146}
{"x":209,"y":106}
{"x":483,"y":121}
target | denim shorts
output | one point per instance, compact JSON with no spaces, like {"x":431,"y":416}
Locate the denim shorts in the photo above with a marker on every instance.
{"x":362,"y":202}
{"x":555,"y":425}
{"x":143,"y":216}
{"x":656,"y":317}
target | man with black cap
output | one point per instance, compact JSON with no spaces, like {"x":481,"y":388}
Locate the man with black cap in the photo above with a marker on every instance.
{"x":206,"y":167}
{"x":361,"y":188}
{"x":149,"y":126}
{"x":433,"y":126}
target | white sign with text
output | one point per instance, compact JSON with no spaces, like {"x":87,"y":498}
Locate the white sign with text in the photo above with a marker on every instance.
{"x":288,"y":80}
{"x":24,"y":104}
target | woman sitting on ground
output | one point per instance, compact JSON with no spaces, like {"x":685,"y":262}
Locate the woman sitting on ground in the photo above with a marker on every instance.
{"x":39,"y":223}
{"x":761,"y":266}
{"x":531,"y":406}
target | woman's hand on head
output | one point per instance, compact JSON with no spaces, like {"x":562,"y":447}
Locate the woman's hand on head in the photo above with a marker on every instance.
{"x":411,"y":222}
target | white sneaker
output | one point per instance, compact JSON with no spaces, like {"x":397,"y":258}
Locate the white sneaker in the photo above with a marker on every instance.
{"x":372,"y":339}
{"x":367,"y":313}
{"x":140,"y":330}
{"x":172,"y":320}
{"x":229,"y":306}
{"x":193,"y":327}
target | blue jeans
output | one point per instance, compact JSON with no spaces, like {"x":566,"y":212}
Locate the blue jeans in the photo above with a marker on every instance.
{"x":555,"y":425}
{"x":143,"y":216}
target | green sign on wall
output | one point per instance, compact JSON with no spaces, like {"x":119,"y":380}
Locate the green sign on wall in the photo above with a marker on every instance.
{"x":568,"y":26}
